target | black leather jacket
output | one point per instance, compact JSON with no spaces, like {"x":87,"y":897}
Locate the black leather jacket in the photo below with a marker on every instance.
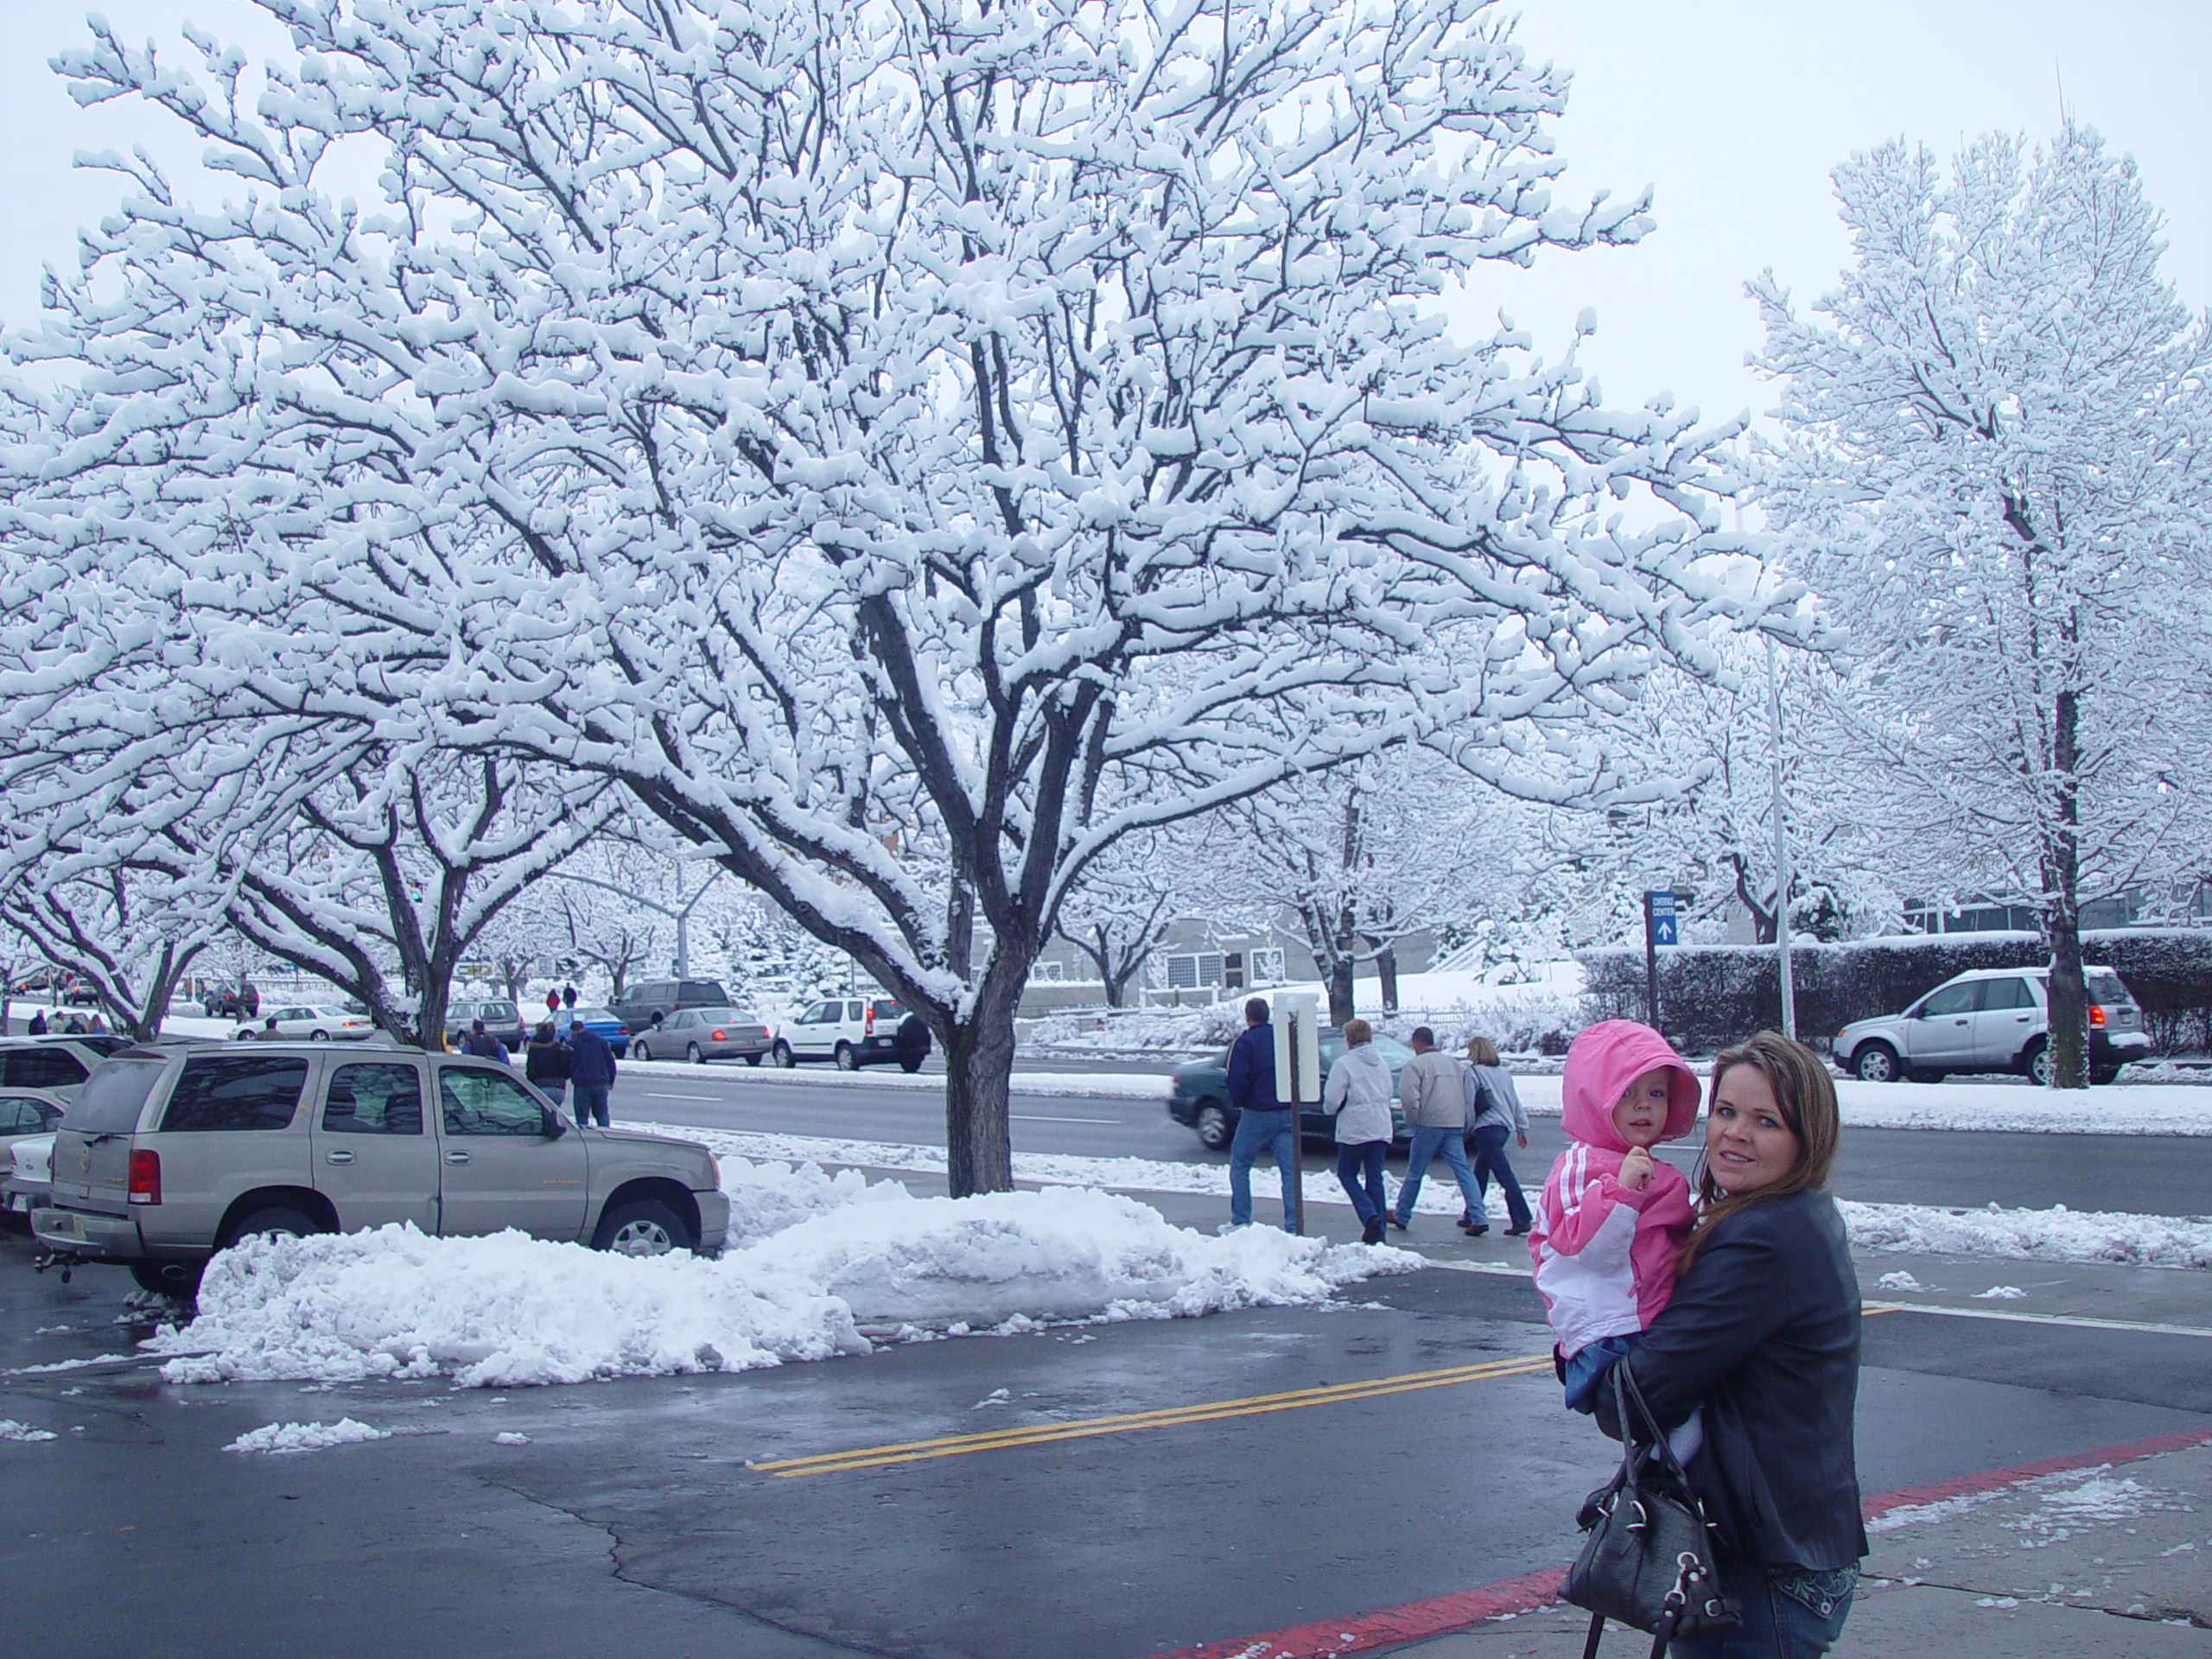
{"x":1762,"y":1332}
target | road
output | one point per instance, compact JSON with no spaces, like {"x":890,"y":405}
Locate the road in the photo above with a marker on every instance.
{"x":2165,"y":1175}
{"x":1415,"y":1448}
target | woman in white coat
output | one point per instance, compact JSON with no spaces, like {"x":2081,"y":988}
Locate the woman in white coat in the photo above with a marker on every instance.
{"x":1358,"y":1095}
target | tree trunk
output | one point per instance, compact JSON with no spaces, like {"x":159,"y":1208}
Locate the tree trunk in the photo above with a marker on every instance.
{"x":1340,"y":999}
{"x":2069,"y":1000}
{"x":979,"y":1068}
{"x":1386,"y":969}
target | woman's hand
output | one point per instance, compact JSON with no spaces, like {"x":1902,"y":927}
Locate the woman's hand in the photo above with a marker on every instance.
{"x":1636,"y":1169}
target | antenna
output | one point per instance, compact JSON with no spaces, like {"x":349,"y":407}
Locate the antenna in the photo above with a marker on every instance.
{"x":2058,"y":75}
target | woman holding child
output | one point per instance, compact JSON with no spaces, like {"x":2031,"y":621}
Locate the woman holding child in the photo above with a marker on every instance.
{"x":1747,"y":1334}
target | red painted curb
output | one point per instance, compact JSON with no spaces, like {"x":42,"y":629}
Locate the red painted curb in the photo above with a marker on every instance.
{"x":1442,"y":1615}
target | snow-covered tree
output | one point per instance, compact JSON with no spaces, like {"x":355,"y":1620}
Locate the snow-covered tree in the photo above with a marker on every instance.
{"x":1127,"y":906}
{"x":1995,"y":467}
{"x":911,"y":446}
{"x":114,"y":928}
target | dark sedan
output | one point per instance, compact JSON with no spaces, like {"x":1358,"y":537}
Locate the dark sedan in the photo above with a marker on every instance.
{"x":1199,"y":1099}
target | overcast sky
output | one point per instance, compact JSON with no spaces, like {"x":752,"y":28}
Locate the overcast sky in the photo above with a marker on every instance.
{"x":1734,"y":111}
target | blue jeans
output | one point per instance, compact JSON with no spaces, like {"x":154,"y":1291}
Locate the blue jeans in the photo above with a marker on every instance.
{"x":1257,"y":1132}
{"x":1590,"y":1361}
{"x":1360,"y":1165}
{"x":1427,"y":1142}
{"x":1486,"y":1149}
{"x":1789,"y":1612}
{"x":591,"y":1102}
{"x":554,"y":1089}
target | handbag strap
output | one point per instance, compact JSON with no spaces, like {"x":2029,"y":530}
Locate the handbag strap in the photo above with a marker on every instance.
{"x":1625,"y":1394}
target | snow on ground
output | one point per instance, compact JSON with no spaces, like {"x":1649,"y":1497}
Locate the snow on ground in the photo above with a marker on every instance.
{"x":1119,"y":1085}
{"x":2054,"y":1234}
{"x":12,"y":1430}
{"x":279,"y":1440}
{"x":509,"y":1310}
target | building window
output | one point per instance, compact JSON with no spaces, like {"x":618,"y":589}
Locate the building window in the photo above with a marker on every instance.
{"x":1193,"y":971}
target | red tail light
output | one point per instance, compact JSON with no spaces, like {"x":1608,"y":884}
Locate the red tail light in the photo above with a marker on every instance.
{"x":716,"y":1035}
{"x":867,"y":1024}
{"x":2096,"y":1014}
{"x":145,"y":1178}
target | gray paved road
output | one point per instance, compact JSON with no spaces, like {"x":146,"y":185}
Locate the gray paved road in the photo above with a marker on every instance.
{"x":634,"y":1523}
{"x":2167,"y":1175}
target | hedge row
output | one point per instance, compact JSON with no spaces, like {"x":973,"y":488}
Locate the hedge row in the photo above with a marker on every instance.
{"x":1713,"y":994}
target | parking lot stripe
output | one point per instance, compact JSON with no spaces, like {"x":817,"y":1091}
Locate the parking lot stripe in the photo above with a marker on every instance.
{"x":876,"y":1457}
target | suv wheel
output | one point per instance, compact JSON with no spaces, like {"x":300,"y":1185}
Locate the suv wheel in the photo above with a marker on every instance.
{"x":1877,"y":1063}
{"x":2038,"y":1065}
{"x":912,"y":1064}
{"x":279,"y":1219}
{"x":641,"y":1227}
{"x":691,"y":1053}
{"x":2104,"y":1074}
{"x":175,"y":1279}
{"x":782,"y":1055}
{"x":1214,"y":1127}
{"x":753,"y":1060}
{"x":847,"y":1060}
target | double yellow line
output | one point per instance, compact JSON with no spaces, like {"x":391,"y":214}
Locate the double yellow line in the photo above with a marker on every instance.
{"x":877,"y":1456}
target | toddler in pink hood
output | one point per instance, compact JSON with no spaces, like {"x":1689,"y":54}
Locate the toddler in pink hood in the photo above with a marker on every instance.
{"x":1612,"y":1217}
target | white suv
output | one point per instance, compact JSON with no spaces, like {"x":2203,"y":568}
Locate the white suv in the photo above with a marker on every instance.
{"x":1991,"y":1020}
{"x":854,"y":1031}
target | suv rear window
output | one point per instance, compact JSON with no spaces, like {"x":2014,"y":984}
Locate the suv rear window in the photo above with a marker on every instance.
{"x":886,"y":1010}
{"x":222,"y":1092}
{"x":2106,"y":986}
{"x":112,"y":1100}
{"x":41,"y":1068}
{"x":698,"y":991}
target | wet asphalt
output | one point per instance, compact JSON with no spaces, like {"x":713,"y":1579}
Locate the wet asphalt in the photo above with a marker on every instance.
{"x":635,"y":1519}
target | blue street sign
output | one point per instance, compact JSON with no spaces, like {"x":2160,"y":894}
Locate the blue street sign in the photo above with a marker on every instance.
{"x":1663,"y":927}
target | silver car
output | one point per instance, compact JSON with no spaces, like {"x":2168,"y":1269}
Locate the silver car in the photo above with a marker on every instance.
{"x":701,"y":1034}
{"x":168,"y":1155}
{"x":1991,"y":1020}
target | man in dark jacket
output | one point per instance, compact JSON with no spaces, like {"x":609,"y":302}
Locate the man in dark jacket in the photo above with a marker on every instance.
{"x":483,"y":1045}
{"x":38,"y":1022}
{"x":1263,"y":1123}
{"x":591,"y":1073}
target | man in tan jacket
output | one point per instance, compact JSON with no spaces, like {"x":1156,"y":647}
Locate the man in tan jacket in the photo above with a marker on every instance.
{"x":1434,"y":1101}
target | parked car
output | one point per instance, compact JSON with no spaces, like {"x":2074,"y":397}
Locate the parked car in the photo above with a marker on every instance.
{"x":79,"y":994}
{"x":1991,"y":1020}
{"x":1199,"y":1099}
{"x":170,"y":1154}
{"x":640,"y":1002}
{"x":315,"y":1023}
{"x":232,"y":1003}
{"x":27,"y":1122}
{"x":29,"y":1181}
{"x":502,"y":1020}
{"x":854,"y":1031}
{"x":701,"y":1034}
{"x":605,"y":1025}
{"x":58,"y":1065}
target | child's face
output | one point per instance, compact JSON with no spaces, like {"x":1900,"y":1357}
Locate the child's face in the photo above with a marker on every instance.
{"x":1640,"y":1115}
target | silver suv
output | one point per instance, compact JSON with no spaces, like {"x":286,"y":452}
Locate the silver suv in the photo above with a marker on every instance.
{"x":1991,"y":1020}
{"x":170,"y":1155}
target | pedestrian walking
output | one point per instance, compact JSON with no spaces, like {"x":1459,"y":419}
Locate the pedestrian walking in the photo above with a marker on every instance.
{"x":1357,"y":1096}
{"x":1263,"y":1123}
{"x":1494,"y":1111}
{"x":1761,"y":1338}
{"x":483,"y":1045}
{"x":591,"y":1073}
{"x":1434,"y":1102}
{"x":547,"y":1061}
{"x":37,"y":1026}
{"x":1612,"y":1219}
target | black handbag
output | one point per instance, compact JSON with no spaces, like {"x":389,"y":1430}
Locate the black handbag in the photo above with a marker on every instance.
{"x":1649,"y":1561}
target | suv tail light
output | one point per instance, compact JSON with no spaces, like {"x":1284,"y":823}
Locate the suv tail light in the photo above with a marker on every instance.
{"x":2096,"y":1014}
{"x":145,"y":1185}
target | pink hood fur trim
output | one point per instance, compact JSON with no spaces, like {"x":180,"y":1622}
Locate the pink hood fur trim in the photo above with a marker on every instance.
{"x":1604,"y":1060}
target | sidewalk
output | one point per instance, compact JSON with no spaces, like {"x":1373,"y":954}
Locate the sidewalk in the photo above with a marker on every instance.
{"x":2110,"y":1561}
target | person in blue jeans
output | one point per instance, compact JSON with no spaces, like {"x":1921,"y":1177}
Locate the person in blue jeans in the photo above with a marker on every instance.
{"x":1263,"y":1123}
{"x":591,"y":1073}
{"x":1434,"y":1102}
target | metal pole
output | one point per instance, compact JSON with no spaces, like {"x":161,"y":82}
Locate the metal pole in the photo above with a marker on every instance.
{"x":1650,"y":965}
{"x":1781,"y":854}
{"x":1293,"y":1201}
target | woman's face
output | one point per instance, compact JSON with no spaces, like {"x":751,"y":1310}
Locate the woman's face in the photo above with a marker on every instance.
{"x":1748,"y":1147}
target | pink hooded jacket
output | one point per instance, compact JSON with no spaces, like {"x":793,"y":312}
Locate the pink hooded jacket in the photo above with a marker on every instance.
{"x":1603,"y":1255}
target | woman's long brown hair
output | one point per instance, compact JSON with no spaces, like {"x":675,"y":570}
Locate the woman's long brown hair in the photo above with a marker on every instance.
{"x":1805,"y":1094}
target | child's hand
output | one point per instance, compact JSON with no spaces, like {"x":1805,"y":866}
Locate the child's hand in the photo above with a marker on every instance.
{"x":1636,"y":1169}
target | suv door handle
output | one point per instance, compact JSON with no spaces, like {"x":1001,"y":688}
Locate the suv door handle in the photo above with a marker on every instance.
{"x":456,"y":1157}
{"x":337,"y":1157}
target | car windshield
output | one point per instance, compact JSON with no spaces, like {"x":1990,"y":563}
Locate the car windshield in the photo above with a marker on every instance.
{"x":2105,"y":986}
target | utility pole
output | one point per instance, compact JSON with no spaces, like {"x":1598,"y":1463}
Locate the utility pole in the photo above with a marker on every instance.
{"x":1781,"y":853}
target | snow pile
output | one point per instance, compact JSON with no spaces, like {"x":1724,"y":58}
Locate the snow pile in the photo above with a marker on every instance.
{"x":510,"y":1310}
{"x":2054,"y":1234}
{"x":768,"y":1196}
{"x":12,"y":1430}
{"x":279,"y":1440}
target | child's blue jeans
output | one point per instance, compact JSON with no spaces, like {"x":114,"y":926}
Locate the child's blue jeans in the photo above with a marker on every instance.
{"x":1591,"y":1362}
